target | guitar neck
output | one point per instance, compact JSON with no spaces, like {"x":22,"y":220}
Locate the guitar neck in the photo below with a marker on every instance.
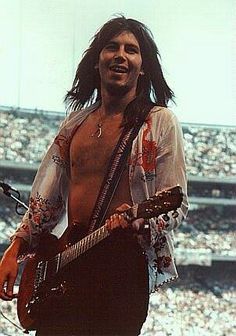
{"x":164,"y":201}
{"x":74,"y":251}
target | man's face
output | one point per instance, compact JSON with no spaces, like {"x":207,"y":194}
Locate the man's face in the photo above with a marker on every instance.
{"x":120,"y":63}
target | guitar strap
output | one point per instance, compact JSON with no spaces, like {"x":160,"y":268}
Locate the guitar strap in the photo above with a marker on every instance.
{"x":111,"y":180}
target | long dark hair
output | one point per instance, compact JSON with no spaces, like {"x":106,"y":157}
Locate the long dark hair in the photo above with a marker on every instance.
{"x":152,"y":88}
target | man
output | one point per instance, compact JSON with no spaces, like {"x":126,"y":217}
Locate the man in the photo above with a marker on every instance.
{"x":118,"y":83}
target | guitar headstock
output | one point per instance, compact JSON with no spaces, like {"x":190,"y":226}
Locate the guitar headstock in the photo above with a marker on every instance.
{"x":166,"y":200}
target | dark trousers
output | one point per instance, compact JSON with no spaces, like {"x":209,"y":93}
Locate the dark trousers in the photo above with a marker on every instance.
{"x":108,"y":292}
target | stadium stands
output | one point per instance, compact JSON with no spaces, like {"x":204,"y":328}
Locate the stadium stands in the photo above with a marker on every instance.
{"x":211,"y":151}
{"x":204,"y":228}
{"x":201,"y":302}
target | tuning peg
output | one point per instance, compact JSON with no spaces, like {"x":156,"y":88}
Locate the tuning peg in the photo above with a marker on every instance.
{"x":166,"y":217}
{"x":175,"y":214}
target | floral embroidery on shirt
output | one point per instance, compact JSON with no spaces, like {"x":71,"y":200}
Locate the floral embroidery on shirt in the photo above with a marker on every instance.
{"x":162,"y":262}
{"x":63,"y":143}
{"x":148,"y":176}
{"x":42,"y":211}
{"x":135,"y":160}
{"x":146,"y":159}
{"x":160,"y":243}
{"x":160,"y":225}
{"x":59,"y":161}
{"x":149,"y":151}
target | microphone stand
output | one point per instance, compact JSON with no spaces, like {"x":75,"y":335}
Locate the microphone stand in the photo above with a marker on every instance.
{"x":6,"y":191}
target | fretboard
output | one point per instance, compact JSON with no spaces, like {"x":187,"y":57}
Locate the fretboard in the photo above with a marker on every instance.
{"x":74,"y":251}
{"x":161,"y":203}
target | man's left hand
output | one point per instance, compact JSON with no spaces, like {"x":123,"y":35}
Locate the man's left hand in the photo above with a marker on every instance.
{"x":117,"y":220}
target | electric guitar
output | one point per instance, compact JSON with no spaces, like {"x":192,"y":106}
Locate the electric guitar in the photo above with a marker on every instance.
{"x":41,"y":280}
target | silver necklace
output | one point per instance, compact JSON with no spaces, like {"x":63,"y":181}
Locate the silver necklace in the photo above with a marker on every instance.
{"x":98,"y":131}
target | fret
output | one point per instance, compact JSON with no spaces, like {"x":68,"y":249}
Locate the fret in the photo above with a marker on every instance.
{"x":96,"y":234}
{"x":76,"y":250}
{"x":89,"y":242}
{"x":62,"y":261}
{"x":73,"y":250}
{"x":79,"y":248}
{"x":82,"y":246}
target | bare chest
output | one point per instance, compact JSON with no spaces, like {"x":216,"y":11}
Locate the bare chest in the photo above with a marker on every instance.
{"x":90,"y":154}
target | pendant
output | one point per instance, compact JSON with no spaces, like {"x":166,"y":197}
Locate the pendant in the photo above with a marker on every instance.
{"x":98,"y":131}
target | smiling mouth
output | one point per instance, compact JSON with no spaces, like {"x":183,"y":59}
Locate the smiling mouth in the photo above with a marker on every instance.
{"x":119,"y":69}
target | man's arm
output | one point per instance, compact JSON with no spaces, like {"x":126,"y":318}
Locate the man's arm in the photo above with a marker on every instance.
{"x":9,"y":268}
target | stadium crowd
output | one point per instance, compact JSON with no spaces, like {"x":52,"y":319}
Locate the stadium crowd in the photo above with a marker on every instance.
{"x":212,"y":190}
{"x":210,"y":228}
{"x":195,"y":189}
{"x":25,"y":137}
{"x":210,"y":151}
{"x":20,"y":177}
{"x":200,"y":303}
{"x":8,"y":220}
{"x":190,"y":307}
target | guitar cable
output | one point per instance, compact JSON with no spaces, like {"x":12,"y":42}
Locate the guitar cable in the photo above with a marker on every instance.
{"x":13,"y":323}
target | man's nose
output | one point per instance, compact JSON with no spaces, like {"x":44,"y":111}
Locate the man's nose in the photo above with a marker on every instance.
{"x":120,"y":55}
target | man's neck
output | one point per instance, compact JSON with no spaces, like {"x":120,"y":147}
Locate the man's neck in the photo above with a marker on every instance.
{"x":112,"y":105}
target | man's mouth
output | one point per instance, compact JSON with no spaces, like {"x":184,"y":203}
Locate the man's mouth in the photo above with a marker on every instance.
{"x":119,"y":68}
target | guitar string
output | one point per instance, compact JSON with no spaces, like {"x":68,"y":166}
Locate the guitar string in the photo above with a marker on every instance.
{"x":86,"y":243}
{"x":83,"y":245}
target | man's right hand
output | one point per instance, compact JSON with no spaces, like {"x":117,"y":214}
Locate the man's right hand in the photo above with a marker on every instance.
{"x":8,"y":272}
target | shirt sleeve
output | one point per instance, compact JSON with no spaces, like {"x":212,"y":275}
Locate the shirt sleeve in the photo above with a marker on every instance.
{"x":46,"y":203}
{"x":171,"y":170}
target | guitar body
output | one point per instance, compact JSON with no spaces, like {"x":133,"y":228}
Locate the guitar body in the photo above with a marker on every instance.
{"x":26,"y":290}
{"x":51,"y":291}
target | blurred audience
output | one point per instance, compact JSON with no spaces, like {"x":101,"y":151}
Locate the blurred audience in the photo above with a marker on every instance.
{"x":26,"y":138}
{"x":210,"y":151}
{"x":195,"y":305}
{"x":210,"y":228}
{"x":206,"y":189}
{"x":205,"y":228}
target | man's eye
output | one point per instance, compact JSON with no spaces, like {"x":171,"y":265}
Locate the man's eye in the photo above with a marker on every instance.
{"x":110,"y":47}
{"x":132,"y":50}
